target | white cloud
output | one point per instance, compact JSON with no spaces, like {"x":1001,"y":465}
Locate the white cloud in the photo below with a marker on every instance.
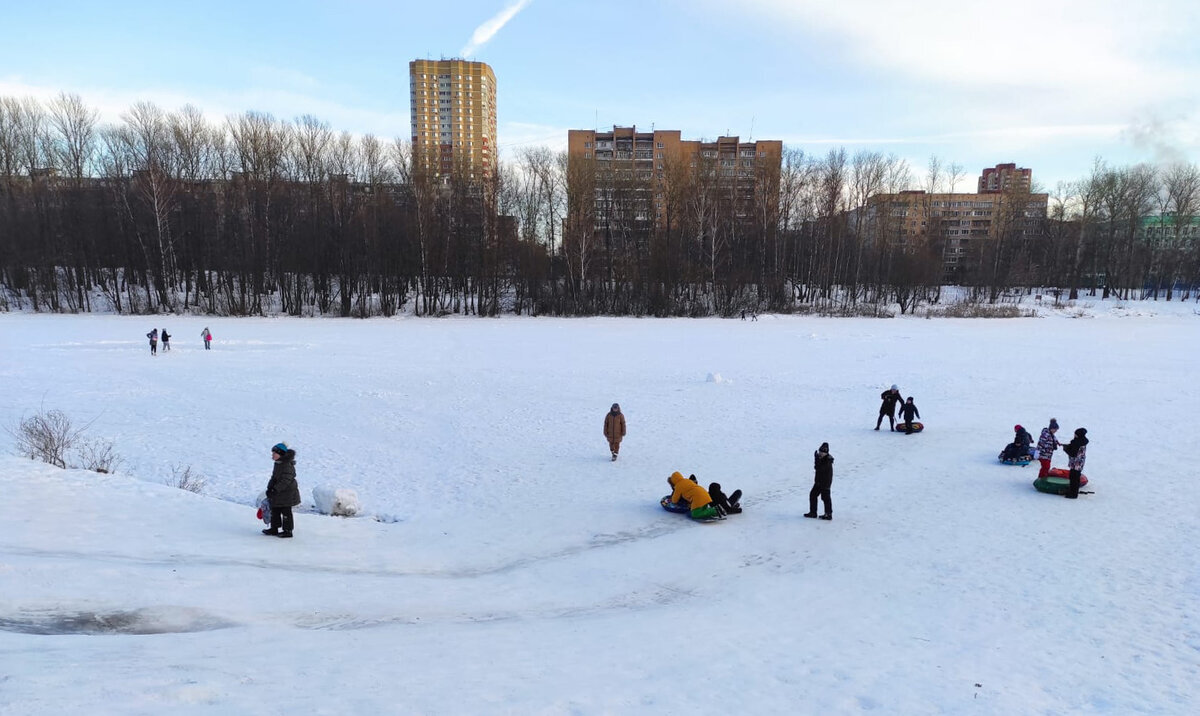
{"x":488,"y":30}
{"x":1100,"y":49}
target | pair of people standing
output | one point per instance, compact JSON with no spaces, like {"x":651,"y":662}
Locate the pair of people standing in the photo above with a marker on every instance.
{"x":153,"y":336}
{"x":1076,"y":451}
{"x":908,"y":410}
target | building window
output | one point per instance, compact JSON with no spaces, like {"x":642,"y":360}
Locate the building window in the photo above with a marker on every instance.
{"x":587,"y":155}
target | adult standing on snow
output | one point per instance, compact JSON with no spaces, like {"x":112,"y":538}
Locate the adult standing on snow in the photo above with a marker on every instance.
{"x":283,"y":491}
{"x":207,"y":337}
{"x":908,"y":411}
{"x":166,"y":340}
{"x":1077,"y":451}
{"x":614,"y":429}
{"x":1047,"y":443}
{"x":891,"y":398}
{"x":153,"y":336}
{"x":822,"y":482}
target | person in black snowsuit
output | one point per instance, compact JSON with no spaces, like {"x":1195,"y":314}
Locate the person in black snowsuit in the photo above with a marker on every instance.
{"x":153,"y":336}
{"x":283,"y":491}
{"x":908,"y":411}
{"x":725,"y":504}
{"x":166,"y":340}
{"x":822,"y":482}
{"x":891,"y":398}
{"x":1019,"y":448}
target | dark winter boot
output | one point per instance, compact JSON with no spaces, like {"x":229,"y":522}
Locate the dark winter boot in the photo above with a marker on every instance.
{"x":271,"y":531}
{"x":806,"y":514}
{"x":285,"y":535}
{"x":827,"y":517}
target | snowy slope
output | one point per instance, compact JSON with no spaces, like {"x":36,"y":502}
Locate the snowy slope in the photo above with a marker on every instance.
{"x":516,"y":570}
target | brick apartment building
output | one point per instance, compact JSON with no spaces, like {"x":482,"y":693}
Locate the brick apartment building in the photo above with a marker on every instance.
{"x":645,"y":160}
{"x":1003,"y":208}
{"x":453,"y":104}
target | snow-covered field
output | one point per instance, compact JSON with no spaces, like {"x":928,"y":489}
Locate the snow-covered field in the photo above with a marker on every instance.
{"x":502,"y":563}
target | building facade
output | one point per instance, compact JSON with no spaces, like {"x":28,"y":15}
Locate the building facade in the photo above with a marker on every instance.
{"x":956,"y":223}
{"x":646,"y":160}
{"x":1005,"y":177}
{"x":453,"y":106}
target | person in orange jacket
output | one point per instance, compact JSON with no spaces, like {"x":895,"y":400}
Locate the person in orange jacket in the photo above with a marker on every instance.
{"x":614,"y":429}
{"x":696,"y":497}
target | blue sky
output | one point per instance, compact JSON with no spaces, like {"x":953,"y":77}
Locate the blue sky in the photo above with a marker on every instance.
{"x":1049,"y":85}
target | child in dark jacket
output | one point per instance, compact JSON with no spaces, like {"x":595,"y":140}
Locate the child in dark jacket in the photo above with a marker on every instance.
{"x":908,"y":411}
{"x":725,"y":504}
{"x":822,"y":482}
{"x":283,"y":491}
{"x":1019,"y":448}
{"x":1077,"y":451}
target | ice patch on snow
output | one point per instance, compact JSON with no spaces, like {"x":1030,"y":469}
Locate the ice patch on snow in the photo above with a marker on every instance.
{"x":336,"y":501}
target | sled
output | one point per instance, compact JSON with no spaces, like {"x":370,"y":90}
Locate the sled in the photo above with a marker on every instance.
{"x":681,"y":508}
{"x":917,"y":426}
{"x":1022,"y":460}
{"x":1057,"y":482}
{"x":264,"y":510}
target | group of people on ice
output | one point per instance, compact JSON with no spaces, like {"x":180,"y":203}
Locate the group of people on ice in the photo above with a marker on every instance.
{"x":1020,"y":451}
{"x":165,"y":337}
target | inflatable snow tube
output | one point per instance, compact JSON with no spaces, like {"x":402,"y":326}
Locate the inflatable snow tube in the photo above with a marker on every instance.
{"x":1057,"y":482}
{"x":917,"y":426}
{"x":1021,"y":460}
{"x":680,"y":508}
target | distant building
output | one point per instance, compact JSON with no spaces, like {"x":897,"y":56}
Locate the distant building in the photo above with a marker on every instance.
{"x":1005,"y":177}
{"x":955,"y":223}
{"x":453,"y":105}
{"x":644,"y":160}
{"x":1167,"y":228}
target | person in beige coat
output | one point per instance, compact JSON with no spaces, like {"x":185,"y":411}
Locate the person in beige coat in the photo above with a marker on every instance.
{"x":614,"y":429}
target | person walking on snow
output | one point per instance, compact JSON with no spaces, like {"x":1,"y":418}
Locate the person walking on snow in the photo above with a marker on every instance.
{"x":822,"y":482}
{"x":207,"y":337}
{"x":696,"y":497}
{"x":891,"y":398}
{"x":908,"y":411}
{"x":614,"y":429}
{"x":1047,"y":443}
{"x":1077,"y":451}
{"x":283,"y":491}
{"x":153,"y":336}
{"x":166,"y":340}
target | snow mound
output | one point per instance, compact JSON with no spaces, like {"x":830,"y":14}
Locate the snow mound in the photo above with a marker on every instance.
{"x":716,"y":378}
{"x":336,"y":501}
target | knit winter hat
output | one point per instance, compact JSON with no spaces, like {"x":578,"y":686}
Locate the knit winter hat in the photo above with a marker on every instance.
{"x":280,"y":448}
{"x":895,"y":387}
{"x":1017,"y":428}
{"x":1081,"y":432}
{"x":1053,"y":424}
{"x":824,"y":447}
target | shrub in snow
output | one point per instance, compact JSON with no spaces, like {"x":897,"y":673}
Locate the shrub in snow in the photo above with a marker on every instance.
{"x":339,"y":501}
{"x":47,"y":436}
{"x":183,"y":478}
{"x":98,"y":455}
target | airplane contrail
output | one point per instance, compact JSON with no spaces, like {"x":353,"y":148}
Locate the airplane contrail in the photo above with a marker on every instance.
{"x":488,"y":30}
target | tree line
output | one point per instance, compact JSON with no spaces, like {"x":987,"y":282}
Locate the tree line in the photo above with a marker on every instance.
{"x":171,"y":212}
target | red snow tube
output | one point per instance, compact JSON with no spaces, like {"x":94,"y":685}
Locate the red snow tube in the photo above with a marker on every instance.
{"x":1057,"y":482}
{"x":917,"y":426}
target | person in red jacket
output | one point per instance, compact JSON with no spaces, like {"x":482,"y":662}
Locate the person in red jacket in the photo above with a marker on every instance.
{"x":614,"y":429}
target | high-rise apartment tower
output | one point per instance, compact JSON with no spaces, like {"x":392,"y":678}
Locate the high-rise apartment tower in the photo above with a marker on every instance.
{"x":454,"y":117}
